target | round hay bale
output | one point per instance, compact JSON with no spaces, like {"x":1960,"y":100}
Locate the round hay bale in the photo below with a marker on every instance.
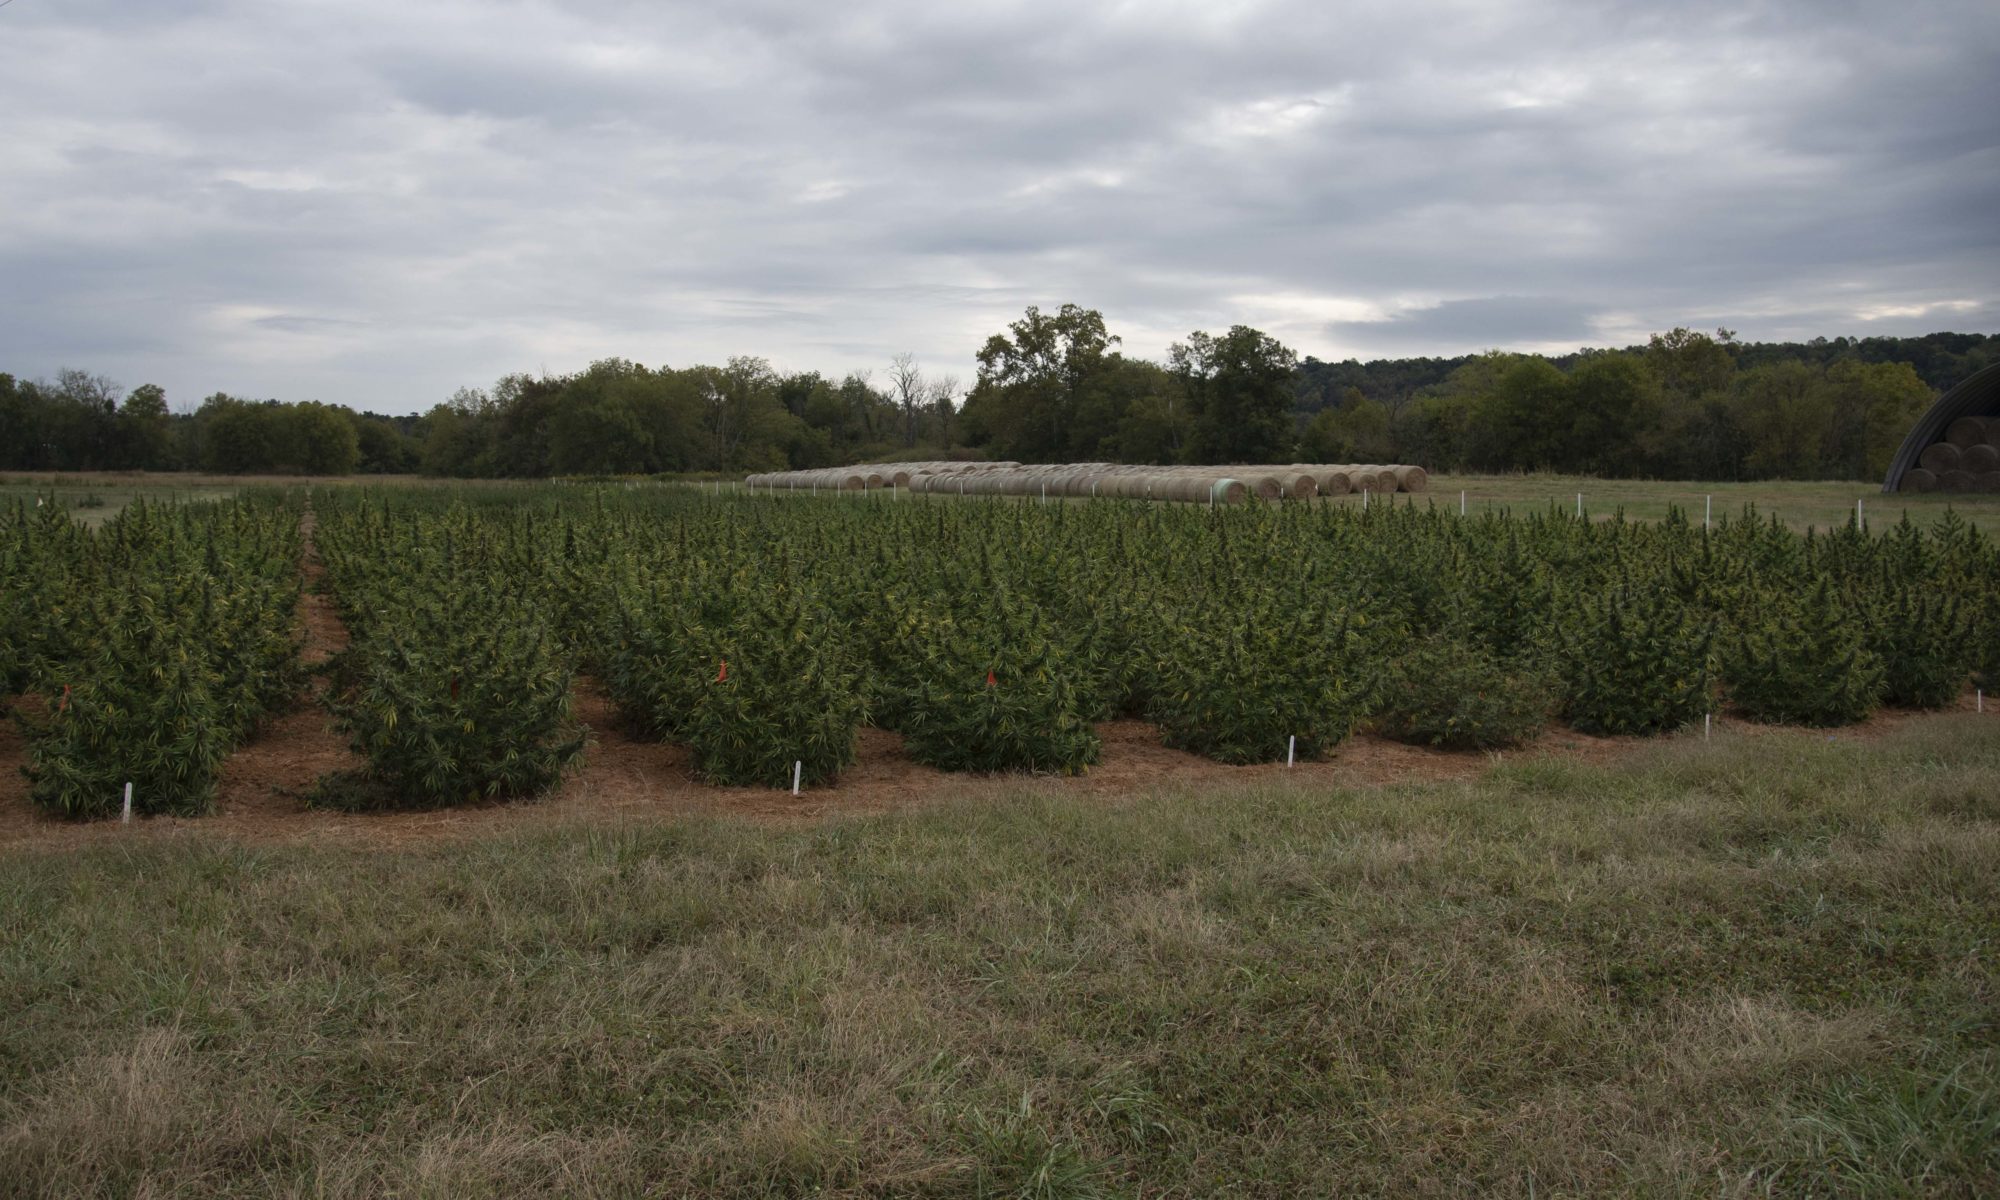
{"x":1979,"y":459}
{"x":1939,"y":458}
{"x":1265,"y":487}
{"x":1916,"y":479}
{"x":1989,"y":481}
{"x":899,"y":479}
{"x":1335,"y":483}
{"x":1187,"y":487}
{"x":1967,"y":431}
{"x":1411,"y":479}
{"x":1957,"y":481}
{"x":1300,"y":485}
{"x":873,"y":480}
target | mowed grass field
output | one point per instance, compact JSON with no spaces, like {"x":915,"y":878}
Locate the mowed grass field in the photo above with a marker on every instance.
{"x":1759,"y":966}
{"x":1819,"y":505}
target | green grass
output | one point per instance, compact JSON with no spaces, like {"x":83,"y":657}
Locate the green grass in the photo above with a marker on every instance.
{"x":1762,"y":966}
{"x":1819,"y":505}
{"x":96,"y":499}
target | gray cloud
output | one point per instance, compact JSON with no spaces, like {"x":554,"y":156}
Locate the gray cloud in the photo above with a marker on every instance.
{"x":376,"y":203}
{"x":1496,"y":321}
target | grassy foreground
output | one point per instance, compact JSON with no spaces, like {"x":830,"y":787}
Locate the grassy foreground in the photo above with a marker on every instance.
{"x":1765,"y":965}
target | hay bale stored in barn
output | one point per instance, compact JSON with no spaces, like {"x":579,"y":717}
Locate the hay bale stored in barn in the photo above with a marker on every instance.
{"x":1968,"y":431}
{"x":1979,"y":458}
{"x":1939,"y":458}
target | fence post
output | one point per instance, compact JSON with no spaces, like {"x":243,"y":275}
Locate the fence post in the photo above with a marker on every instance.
{"x":126,"y":816}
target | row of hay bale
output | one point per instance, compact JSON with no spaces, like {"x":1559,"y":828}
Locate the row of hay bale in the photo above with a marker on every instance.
{"x":1230,"y":485}
{"x":868,"y":476}
{"x":1967,"y":460}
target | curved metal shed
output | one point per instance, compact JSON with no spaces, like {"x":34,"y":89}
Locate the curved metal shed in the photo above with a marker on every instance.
{"x":1977,"y":395}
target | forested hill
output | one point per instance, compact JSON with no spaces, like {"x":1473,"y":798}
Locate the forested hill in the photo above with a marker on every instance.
{"x":1939,"y":359}
{"x":1057,"y":387}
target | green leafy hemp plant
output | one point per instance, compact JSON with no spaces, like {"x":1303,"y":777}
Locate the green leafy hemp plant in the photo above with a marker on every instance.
{"x":1459,"y":695}
{"x":1926,"y":646}
{"x":1805,"y":664}
{"x":785,"y":691}
{"x":151,"y":723}
{"x":1001,"y":697}
{"x":479,"y":710}
{"x":1239,"y":687}
{"x":1640,"y":661}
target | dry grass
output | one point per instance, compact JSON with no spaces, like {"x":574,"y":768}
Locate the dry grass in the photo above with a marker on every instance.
{"x":1820,"y":505}
{"x":1760,"y":966}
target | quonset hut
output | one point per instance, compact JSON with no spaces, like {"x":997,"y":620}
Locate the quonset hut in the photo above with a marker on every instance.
{"x":1955,"y":447}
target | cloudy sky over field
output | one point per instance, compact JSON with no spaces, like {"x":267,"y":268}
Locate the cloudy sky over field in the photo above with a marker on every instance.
{"x":375,"y":203}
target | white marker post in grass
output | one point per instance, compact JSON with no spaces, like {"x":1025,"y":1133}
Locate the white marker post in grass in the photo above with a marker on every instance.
{"x":1857,"y":512}
{"x":1461,"y":503}
{"x":1707,"y":510}
{"x":1707,"y":722}
{"x":1364,"y":499}
{"x":126,"y":816}
{"x":1979,"y":700}
{"x":1579,"y":504}
{"x":1291,"y":748}
{"x":798,"y":770}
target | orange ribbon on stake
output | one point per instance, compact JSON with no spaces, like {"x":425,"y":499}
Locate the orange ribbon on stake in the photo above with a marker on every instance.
{"x":63,"y":705}
{"x":722,"y":675}
{"x":990,"y":681}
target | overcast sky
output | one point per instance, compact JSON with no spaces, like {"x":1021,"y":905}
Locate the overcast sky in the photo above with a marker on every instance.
{"x":376,"y":202}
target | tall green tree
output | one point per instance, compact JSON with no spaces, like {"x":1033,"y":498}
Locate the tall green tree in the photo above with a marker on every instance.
{"x":145,"y":432}
{"x":1032,"y":379}
{"x":1239,"y":392}
{"x":1524,"y":423}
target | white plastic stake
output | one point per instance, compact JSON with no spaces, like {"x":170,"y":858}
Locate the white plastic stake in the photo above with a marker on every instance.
{"x":1579,"y":504}
{"x":1707,"y":510}
{"x":1364,"y":499}
{"x":126,"y":816}
{"x":1979,"y":700}
{"x":1291,"y":748}
{"x":1045,"y":493}
{"x":1857,"y":512}
{"x":1461,"y":503}
{"x":798,"y":769}
{"x":1707,"y":720}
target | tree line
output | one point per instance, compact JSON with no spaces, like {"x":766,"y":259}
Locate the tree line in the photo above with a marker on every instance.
{"x":85,"y":422}
{"x":1057,"y":387}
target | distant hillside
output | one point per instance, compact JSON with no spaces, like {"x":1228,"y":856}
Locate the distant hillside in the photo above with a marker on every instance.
{"x":1940,"y":360}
